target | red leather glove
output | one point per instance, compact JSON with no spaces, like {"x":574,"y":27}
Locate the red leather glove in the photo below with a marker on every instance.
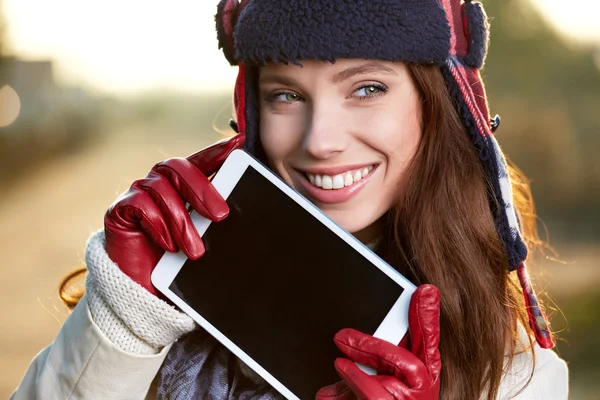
{"x":151,"y":217}
{"x":404,"y":374}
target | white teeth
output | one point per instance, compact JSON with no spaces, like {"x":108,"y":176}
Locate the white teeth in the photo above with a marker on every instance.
{"x":318,"y":181}
{"x":348,"y":179}
{"x":339,"y":181}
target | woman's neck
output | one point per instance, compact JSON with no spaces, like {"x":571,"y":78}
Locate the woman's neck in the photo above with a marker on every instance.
{"x":370,"y":235}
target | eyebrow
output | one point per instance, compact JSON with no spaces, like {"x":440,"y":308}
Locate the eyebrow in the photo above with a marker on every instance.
{"x":348,"y":73}
{"x":362,"y":69}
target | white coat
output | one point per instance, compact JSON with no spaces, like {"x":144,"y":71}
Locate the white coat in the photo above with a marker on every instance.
{"x":84,"y":363}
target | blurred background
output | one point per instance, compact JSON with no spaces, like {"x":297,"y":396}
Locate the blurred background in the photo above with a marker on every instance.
{"x":92,"y":95}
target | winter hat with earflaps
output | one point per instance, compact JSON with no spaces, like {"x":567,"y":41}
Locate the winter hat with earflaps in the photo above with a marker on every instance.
{"x":448,"y":33}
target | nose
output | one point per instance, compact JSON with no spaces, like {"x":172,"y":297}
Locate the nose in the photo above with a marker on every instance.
{"x":325,"y":136}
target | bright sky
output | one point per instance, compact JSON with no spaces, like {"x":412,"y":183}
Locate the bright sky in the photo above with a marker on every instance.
{"x":123,"y":46}
{"x":127,"y":46}
{"x":577,"y":18}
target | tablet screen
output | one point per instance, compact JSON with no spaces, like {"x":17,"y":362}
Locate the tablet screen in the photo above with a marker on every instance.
{"x":280,"y":284}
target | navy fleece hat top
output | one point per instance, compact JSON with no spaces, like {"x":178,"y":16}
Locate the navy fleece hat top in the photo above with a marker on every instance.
{"x":448,"y":33}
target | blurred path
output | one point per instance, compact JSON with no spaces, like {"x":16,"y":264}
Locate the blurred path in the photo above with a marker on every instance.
{"x":46,"y":220}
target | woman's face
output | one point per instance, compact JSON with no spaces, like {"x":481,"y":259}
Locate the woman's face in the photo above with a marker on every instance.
{"x":342,"y":135}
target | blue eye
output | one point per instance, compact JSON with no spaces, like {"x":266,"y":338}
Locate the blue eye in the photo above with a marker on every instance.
{"x":370,"y":91}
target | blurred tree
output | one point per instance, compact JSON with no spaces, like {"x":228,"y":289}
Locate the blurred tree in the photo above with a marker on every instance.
{"x":547,"y":89}
{"x":51,"y":120}
{"x":2,"y":32}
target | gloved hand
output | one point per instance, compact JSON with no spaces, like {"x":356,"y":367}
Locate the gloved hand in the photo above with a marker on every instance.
{"x":404,"y":374}
{"x":151,"y":217}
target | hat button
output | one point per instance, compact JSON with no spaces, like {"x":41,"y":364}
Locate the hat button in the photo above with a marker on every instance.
{"x":234,"y":126}
{"x":495,"y":123}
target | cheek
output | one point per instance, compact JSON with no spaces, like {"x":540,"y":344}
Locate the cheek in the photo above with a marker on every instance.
{"x":405,"y":147}
{"x":280,"y":136}
{"x":396,"y":133}
{"x":397,"y":137}
{"x":405,"y":144}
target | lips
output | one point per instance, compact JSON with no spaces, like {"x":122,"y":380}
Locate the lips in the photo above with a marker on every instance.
{"x":329,"y":188}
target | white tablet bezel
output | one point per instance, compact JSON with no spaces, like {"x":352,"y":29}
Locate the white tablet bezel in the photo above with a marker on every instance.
{"x":391,"y":329}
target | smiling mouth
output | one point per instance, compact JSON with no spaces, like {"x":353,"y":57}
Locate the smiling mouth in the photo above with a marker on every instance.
{"x":339,"y":181}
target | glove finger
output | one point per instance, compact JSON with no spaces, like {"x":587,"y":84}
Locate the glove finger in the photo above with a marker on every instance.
{"x":135,"y":211}
{"x":337,"y":391}
{"x":424,"y":326}
{"x":363,"y":385}
{"x":194,"y":187}
{"x":174,"y":213}
{"x":397,"y":389}
{"x":210,"y":159}
{"x":385,"y":357}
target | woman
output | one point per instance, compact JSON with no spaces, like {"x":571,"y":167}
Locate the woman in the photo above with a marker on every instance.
{"x":383,"y":96}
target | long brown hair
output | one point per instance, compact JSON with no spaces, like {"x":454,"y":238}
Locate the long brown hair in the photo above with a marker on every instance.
{"x":441,"y":231}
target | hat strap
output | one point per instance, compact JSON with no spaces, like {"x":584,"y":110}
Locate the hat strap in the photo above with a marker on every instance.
{"x":537,"y":319}
{"x":239,"y":99}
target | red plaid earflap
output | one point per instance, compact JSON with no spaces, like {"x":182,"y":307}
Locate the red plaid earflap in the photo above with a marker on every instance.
{"x":469,"y":27}
{"x":228,"y":12}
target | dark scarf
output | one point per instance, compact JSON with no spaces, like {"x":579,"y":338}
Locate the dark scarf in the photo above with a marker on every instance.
{"x":199,"y":367}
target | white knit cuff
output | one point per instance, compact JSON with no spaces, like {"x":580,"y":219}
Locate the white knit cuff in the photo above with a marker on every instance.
{"x":135,"y":320}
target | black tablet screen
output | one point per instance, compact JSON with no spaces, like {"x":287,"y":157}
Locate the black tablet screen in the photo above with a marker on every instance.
{"x":279,"y":284}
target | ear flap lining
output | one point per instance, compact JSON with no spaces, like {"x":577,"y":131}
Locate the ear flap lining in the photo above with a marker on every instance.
{"x":477,"y":30}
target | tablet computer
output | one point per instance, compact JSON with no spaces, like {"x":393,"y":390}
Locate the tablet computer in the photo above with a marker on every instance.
{"x":279,"y":279}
